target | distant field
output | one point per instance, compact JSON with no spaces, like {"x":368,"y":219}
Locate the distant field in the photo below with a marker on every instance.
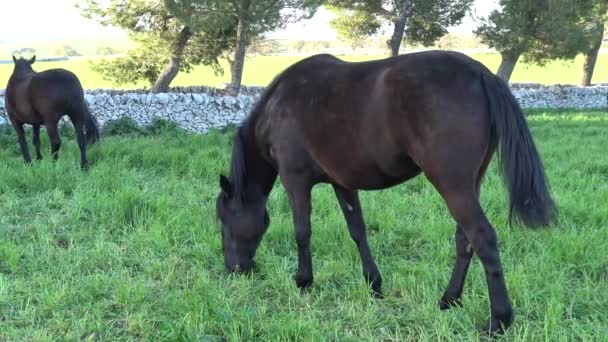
{"x":260,"y":70}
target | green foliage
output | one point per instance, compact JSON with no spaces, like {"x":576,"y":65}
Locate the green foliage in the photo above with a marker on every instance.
{"x":262,"y":15}
{"x":66,"y":130}
{"x":240,"y":23}
{"x":131,"y":250}
{"x":8,"y":137}
{"x":430,"y":19}
{"x":124,"y":126}
{"x":353,"y":25}
{"x":427,"y":20}
{"x":156,"y":33}
{"x":540,"y":30}
{"x":106,"y":51}
{"x":161,"y":126}
{"x":142,"y":63}
{"x":593,"y":23}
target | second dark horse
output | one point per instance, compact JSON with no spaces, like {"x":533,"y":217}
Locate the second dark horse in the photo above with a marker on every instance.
{"x":374,"y":125}
{"x":42,"y":98}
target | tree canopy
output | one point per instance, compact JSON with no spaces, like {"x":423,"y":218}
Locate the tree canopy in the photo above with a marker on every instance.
{"x":248,"y":20}
{"x":165,"y":45}
{"x":595,"y":27}
{"x":538,"y":30}
{"x":412,"y":21}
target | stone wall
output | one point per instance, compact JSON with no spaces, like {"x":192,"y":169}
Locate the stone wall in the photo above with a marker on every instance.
{"x":198,"y":109}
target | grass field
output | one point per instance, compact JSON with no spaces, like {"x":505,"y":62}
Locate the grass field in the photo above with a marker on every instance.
{"x":131,"y":250}
{"x":261,"y":70}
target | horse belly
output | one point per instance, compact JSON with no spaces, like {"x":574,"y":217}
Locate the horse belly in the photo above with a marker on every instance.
{"x":372,"y":174}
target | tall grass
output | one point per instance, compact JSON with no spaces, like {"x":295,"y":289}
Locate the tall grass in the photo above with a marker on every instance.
{"x":131,"y":250}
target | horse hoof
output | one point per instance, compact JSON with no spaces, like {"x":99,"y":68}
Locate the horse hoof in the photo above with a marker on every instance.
{"x":377,"y":294}
{"x":376,"y":287}
{"x":303,"y":282}
{"x":448,"y":303}
{"x":496,"y":326}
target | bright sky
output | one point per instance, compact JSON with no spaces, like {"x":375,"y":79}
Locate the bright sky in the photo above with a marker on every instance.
{"x":46,"y":20}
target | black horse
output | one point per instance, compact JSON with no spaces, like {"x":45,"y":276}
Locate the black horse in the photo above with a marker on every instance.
{"x":42,"y":98}
{"x":373,"y":125}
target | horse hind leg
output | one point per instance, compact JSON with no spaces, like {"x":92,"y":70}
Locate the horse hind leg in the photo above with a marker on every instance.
{"x":464,"y":253}
{"x":466,"y":210}
{"x":21,"y":138}
{"x":52,"y":132}
{"x":462,"y":201}
{"x":78,"y":118}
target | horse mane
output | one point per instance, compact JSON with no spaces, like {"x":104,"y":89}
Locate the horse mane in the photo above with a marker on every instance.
{"x":244,"y":135}
{"x":238,"y":167}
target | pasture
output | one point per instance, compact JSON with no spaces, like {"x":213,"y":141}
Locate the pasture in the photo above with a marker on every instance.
{"x":261,"y":69}
{"x":131,"y":250}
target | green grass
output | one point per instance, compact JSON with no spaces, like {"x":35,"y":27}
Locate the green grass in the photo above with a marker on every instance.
{"x":261,"y":70}
{"x":131,"y":250}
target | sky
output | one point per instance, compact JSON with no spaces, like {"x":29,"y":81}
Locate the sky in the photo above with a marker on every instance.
{"x":48,"y":20}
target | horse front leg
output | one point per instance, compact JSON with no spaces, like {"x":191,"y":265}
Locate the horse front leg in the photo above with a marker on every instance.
{"x":299,"y":199}
{"x":36,"y":140}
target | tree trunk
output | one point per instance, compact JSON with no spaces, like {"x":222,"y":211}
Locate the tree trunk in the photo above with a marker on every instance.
{"x":591,"y":56}
{"x":399,"y":27}
{"x":507,"y":65}
{"x":238,"y":64}
{"x":172,"y":68}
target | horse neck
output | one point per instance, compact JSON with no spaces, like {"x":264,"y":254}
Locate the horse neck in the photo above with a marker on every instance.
{"x":19,"y":76}
{"x":259,"y":170}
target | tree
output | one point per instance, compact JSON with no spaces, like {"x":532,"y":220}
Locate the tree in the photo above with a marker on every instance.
{"x":25,"y":52}
{"x":412,"y":21}
{"x":251,"y":18}
{"x":106,"y":51}
{"x":596,"y":27}
{"x":165,"y":45}
{"x":67,"y":50}
{"x":540,"y":30}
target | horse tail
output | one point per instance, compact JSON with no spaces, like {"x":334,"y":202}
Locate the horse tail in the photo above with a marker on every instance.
{"x":91,"y":125}
{"x":521,"y":167}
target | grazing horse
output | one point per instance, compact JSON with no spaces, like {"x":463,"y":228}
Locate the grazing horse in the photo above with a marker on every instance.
{"x":373,"y":125}
{"x":42,"y":98}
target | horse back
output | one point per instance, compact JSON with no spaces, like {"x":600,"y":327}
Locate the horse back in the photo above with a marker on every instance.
{"x":369,"y":125}
{"x":55,"y":91}
{"x":40,"y":97}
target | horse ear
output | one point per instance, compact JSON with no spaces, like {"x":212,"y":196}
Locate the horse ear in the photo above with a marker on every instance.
{"x":14,"y":59}
{"x":226,"y":185}
{"x":33,"y":59}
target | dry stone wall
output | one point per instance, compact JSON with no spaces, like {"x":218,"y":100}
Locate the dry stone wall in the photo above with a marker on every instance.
{"x":197,"y":109}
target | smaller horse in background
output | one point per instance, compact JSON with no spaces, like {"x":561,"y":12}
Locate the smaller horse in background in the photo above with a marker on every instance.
{"x":42,"y":98}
